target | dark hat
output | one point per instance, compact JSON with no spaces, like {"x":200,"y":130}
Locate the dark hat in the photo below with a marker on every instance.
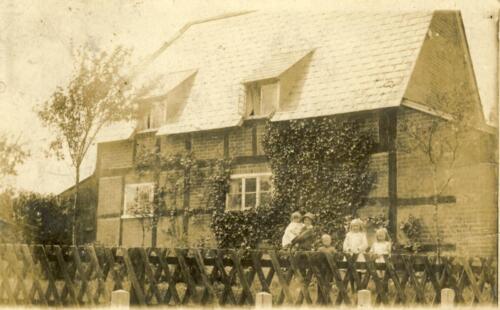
{"x":309,"y":215}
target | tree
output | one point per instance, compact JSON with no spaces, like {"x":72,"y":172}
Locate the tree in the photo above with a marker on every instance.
{"x":43,"y":219}
{"x":12,"y":154}
{"x":439,"y":140}
{"x":98,"y":94}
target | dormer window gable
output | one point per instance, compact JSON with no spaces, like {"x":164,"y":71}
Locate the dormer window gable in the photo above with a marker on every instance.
{"x":166,"y":102}
{"x":262,"y":87}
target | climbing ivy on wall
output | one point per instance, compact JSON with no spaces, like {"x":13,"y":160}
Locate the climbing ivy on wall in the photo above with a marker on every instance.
{"x":319,"y":165}
{"x":173,"y":176}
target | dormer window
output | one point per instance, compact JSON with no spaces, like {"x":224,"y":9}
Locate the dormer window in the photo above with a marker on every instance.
{"x":165,"y":103}
{"x":153,"y":116}
{"x":263,"y":85}
{"x":262,"y":98}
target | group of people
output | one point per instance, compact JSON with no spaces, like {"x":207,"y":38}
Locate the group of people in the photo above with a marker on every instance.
{"x":300,"y":235}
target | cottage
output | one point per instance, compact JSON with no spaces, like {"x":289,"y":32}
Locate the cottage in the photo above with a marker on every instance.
{"x":223,"y":78}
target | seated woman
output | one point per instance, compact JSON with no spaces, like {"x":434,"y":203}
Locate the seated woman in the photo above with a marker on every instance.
{"x":305,"y":240}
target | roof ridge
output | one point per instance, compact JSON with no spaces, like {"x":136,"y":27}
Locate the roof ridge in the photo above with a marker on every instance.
{"x":179,"y":33}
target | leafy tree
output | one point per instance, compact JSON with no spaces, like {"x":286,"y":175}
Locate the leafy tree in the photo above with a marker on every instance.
{"x":439,"y":140}
{"x":12,"y":154}
{"x":44,"y":219}
{"x":98,"y":94}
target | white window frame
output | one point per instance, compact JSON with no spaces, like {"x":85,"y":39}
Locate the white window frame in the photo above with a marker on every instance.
{"x":259,"y":84}
{"x":243,"y":177}
{"x":129,"y":216}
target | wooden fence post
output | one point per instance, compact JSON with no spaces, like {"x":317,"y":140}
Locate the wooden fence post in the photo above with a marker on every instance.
{"x":263,"y":300}
{"x":364,"y":299}
{"x":447,"y":298}
{"x":120,"y":299}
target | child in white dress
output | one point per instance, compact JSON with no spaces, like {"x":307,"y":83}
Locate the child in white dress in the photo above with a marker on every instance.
{"x":292,"y":230}
{"x":355,"y":241}
{"x":382,"y":245}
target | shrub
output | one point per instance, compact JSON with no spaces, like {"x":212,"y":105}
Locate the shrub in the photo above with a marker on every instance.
{"x":412,"y":228}
{"x":44,"y":219}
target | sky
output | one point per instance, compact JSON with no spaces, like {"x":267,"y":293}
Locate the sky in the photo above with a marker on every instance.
{"x":36,"y":39}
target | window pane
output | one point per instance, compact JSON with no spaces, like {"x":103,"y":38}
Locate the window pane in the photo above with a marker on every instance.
{"x":250,"y":200}
{"x":253,"y":100}
{"x":234,"y":202}
{"x":265,"y":183}
{"x":139,"y":199}
{"x":235,"y":186}
{"x":269,"y":98}
{"x":250,"y":185}
{"x":130,"y":199}
{"x":157,"y":115}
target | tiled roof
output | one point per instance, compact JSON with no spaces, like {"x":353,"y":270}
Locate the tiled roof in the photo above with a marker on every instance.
{"x":116,"y":132}
{"x":170,"y":80}
{"x":276,"y":65}
{"x":361,"y":61}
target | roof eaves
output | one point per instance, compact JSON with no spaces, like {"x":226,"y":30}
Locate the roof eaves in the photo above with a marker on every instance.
{"x":415,"y":57}
{"x":174,"y":128}
{"x":468,"y":61}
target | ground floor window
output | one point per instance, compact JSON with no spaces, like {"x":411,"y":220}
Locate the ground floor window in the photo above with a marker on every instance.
{"x":247,"y":191}
{"x":138,"y":200}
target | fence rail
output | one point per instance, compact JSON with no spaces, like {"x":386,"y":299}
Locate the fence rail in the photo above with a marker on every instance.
{"x":53,"y":275}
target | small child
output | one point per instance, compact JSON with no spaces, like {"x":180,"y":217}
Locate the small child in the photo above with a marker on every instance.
{"x":382,"y":245}
{"x":326,"y":245}
{"x":355,"y":241}
{"x":292,"y":230}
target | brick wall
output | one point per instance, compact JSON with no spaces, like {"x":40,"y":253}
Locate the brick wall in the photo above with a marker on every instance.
{"x":442,"y":69}
{"x":242,"y":142}
{"x":116,"y":155}
{"x":470,"y":223}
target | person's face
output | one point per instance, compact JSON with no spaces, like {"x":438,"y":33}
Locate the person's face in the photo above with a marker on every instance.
{"x":308,"y":221}
{"x":355,"y":228}
{"x":327,"y":241}
{"x":380,"y":236}
{"x":296,"y":219}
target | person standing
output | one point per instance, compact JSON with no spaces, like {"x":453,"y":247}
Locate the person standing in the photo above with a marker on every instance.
{"x":355,"y":241}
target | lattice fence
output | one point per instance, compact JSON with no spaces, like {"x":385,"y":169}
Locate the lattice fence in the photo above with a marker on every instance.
{"x":53,"y":275}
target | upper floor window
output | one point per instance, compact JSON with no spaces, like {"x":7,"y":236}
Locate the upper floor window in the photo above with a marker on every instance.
{"x":165,"y":103}
{"x":153,"y":115}
{"x":138,"y":200}
{"x":262,"y":98}
{"x":247,"y":191}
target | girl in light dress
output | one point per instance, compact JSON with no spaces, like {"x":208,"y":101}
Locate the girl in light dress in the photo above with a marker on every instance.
{"x":355,"y":241}
{"x":382,"y":245}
